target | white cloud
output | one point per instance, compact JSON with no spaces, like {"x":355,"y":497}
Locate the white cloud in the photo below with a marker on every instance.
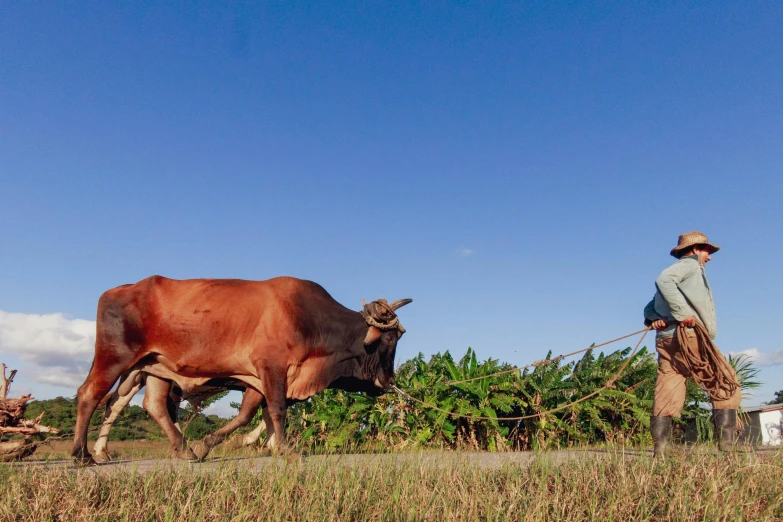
{"x":762,"y":358}
{"x":60,"y":348}
{"x":222,"y":407}
{"x":60,"y":351}
{"x":464,"y":252}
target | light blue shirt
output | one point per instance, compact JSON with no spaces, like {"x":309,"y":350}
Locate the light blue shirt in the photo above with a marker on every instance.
{"x":683,"y":291}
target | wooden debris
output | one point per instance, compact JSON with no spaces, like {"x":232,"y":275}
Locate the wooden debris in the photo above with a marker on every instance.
{"x":11,"y":410}
{"x":5,"y":382}
{"x":13,"y":423}
{"x":16,"y":450}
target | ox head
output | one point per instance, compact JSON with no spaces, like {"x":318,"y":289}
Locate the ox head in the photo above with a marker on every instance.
{"x":380,"y":342}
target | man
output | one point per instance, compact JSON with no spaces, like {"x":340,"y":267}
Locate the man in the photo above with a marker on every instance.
{"x":682,"y":299}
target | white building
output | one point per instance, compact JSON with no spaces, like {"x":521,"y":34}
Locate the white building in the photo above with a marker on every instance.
{"x":763,"y":425}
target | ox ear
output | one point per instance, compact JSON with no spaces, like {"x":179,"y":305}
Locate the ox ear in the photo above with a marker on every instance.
{"x":373,"y":334}
{"x":399,"y":303}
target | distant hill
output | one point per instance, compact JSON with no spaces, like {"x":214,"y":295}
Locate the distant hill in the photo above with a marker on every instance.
{"x":134,"y":423}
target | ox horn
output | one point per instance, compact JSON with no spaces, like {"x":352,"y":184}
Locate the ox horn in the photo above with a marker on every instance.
{"x":399,"y":303}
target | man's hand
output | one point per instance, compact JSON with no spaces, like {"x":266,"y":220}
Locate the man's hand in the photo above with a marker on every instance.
{"x":659,"y":324}
{"x":689,"y":322}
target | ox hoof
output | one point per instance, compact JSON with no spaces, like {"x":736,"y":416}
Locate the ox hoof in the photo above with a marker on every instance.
{"x":102,"y":457}
{"x":235,"y":443}
{"x":186,"y":454}
{"x":85,"y":461}
{"x":286,"y":453}
{"x":200,"y":451}
{"x":292,"y":456}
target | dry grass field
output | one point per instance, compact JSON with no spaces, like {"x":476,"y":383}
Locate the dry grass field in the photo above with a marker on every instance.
{"x":426,"y":486}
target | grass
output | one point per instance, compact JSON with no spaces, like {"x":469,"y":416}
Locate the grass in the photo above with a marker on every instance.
{"x":701,"y":486}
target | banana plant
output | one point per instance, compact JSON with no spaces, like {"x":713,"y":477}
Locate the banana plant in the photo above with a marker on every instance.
{"x":471,"y":397}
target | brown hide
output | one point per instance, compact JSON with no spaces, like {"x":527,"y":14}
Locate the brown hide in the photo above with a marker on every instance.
{"x":206,"y":328}
{"x":283,"y":338}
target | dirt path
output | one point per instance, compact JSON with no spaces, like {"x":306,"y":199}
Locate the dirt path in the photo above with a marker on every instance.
{"x":258,"y":464}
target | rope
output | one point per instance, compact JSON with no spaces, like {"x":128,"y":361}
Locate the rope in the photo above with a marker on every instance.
{"x":379,"y":314}
{"x":609,"y":384}
{"x":545,"y":361}
{"x":706,"y":364}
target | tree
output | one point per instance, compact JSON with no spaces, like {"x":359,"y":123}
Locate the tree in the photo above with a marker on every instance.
{"x":198,"y":426}
{"x":133,"y":422}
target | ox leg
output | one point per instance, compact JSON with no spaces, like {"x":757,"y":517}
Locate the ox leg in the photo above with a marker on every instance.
{"x":271,"y":440}
{"x":277,"y":412}
{"x":121,"y":397}
{"x":156,"y":403}
{"x":253,"y":437}
{"x":248,"y":439}
{"x":173,"y":404}
{"x":251,"y":401}
{"x":109,"y":364}
{"x":276,"y":408}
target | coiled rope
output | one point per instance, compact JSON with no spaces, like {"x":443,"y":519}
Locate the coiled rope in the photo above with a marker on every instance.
{"x":609,"y":384}
{"x":707,"y":366}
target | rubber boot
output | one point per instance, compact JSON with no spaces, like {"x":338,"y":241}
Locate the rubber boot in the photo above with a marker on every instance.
{"x":726,"y":429}
{"x":661,"y":428}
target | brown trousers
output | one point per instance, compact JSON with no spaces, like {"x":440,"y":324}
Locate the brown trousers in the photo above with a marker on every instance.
{"x":670,"y":384}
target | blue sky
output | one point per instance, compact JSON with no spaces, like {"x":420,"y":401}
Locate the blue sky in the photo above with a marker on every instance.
{"x":520,"y":169}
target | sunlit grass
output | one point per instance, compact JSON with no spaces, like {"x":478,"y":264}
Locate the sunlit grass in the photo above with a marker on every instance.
{"x":701,"y":486}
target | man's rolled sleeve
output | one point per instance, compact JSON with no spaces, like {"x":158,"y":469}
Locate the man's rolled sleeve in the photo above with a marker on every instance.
{"x":667,"y":285}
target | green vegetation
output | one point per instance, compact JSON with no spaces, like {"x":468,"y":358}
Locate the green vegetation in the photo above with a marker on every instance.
{"x":334,"y":419}
{"x":688,"y":488}
{"x":199,"y":426}
{"x":133,"y":423}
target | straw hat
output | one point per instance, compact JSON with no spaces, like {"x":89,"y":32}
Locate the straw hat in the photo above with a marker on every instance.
{"x":689,"y":239}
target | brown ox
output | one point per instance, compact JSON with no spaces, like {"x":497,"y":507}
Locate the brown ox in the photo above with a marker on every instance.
{"x":285,"y":339}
